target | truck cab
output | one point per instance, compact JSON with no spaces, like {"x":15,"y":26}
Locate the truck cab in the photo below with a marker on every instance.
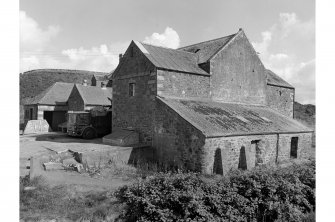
{"x":89,"y":124}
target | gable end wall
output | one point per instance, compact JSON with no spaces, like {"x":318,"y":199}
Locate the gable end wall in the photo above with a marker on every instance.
{"x":134,"y":112}
{"x":237,"y":74}
{"x":75,"y":101}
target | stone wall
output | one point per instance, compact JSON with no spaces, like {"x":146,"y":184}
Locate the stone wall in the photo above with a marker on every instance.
{"x":237,"y":74}
{"x":280,"y":99}
{"x":176,"y":141}
{"x":230,"y":148}
{"x":304,"y":146}
{"x":136,"y":111}
{"x":175,"y":84}
{"x":27,"y":110}
{"x":75,"y":101}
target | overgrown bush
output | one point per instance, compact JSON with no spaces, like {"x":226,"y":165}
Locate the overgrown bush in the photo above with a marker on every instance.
{"x":266,"y":194}
{"x":44,"y":203}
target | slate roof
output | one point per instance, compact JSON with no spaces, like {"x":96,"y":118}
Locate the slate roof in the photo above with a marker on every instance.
{"x":216,"y":119}
{"x":93,"y":95}
{"x":57,"y":94}
{"x":171,"y":59}
{"x":205,"y":50}
{"x":273,"y":79}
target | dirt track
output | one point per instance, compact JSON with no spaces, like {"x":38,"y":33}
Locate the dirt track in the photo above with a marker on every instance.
{"x":39,"y":144}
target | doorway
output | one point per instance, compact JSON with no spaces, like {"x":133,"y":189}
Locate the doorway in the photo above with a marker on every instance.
{"x":31,"y":110}
{"x":294,"y":148}
{"x":54,"y":118}
{"x":258,"y":152}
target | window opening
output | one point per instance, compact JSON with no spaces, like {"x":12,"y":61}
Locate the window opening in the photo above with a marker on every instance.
{"x":294,"y":147}
{"x":131,"y":89}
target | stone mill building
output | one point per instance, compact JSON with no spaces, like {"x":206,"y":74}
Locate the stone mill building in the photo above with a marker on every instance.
{"x":207,"y":107}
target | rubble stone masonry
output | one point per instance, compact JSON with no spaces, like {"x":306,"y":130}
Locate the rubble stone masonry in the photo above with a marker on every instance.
{"x":269,"y":154}
{"x":175,"y":84}
{"x":136,"y":111}
{"x":280,"y":99}
{"x":177,"y":142}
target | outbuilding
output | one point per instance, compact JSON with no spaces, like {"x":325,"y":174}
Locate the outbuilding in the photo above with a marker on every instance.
{"x":50,"y":105}
{"x":84,"y":97}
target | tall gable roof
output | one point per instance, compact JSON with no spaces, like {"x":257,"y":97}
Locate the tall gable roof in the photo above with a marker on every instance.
{"x":95,"y":95}
{"x":274,"y":79}
{"x":216,"y":119}
{"x":171,"y":59}
{"x":205,"y":50}
{"x":57,"y":94}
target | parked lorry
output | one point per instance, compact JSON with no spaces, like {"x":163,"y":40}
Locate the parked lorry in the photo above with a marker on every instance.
{"x":89,"y":124}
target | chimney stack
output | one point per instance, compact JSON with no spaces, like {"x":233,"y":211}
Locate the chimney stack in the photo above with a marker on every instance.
{"x":120,"y":57}
{"x":85,"y":82}
{"x":103,"y":85}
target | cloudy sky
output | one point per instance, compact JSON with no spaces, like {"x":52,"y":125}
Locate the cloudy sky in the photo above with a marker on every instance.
{"x":89,"y":35}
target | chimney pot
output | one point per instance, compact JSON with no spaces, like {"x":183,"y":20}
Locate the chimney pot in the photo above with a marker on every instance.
{"x":85,"y":82}
{"x":120,"y":57}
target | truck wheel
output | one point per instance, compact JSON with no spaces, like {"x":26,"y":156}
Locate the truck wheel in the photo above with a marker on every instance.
{"x":89,"y":134}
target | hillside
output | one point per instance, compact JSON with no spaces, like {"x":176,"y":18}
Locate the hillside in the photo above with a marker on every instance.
{"x":35,"y":81}
{"x":305,"y":114}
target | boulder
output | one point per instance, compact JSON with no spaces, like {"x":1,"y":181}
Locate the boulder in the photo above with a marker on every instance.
{"x":53,"y":166}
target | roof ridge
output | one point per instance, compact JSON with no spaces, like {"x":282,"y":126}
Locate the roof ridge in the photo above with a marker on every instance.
{"x":68,"y":70}
{"x":165,"y":47}
{"x":211,"y":40}
{"x":228,"y":42}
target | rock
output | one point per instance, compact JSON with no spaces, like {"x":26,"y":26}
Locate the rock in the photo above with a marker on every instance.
{"x":79,"y":167}
{"x":70,"y":161}
{"x":29,"y":188}
{"x":53,"y":166}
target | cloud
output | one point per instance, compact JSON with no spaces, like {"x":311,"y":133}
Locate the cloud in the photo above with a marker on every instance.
{"x":288,"y":49}
{"x":32,"y":37}
{"x":35,"y":52}
{"x":96,"y":59}
{"x":169,"y":38}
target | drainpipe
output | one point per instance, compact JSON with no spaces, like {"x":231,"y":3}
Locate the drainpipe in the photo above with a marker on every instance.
{"x":277,"y":148}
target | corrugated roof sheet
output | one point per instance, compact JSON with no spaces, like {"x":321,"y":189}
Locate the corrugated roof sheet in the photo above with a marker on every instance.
{"x":274,"y":79}
{"x":215,"y":119}
{"x":57,"y":94}
{"x":205,"y":50}
{"x":93,"y":95}
{"x":171,"y":59}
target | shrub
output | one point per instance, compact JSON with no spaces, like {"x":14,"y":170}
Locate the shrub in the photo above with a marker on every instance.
{"x":265,"y":194}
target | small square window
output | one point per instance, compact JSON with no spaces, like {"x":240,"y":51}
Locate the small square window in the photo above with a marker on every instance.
{"x":131,"y":89}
